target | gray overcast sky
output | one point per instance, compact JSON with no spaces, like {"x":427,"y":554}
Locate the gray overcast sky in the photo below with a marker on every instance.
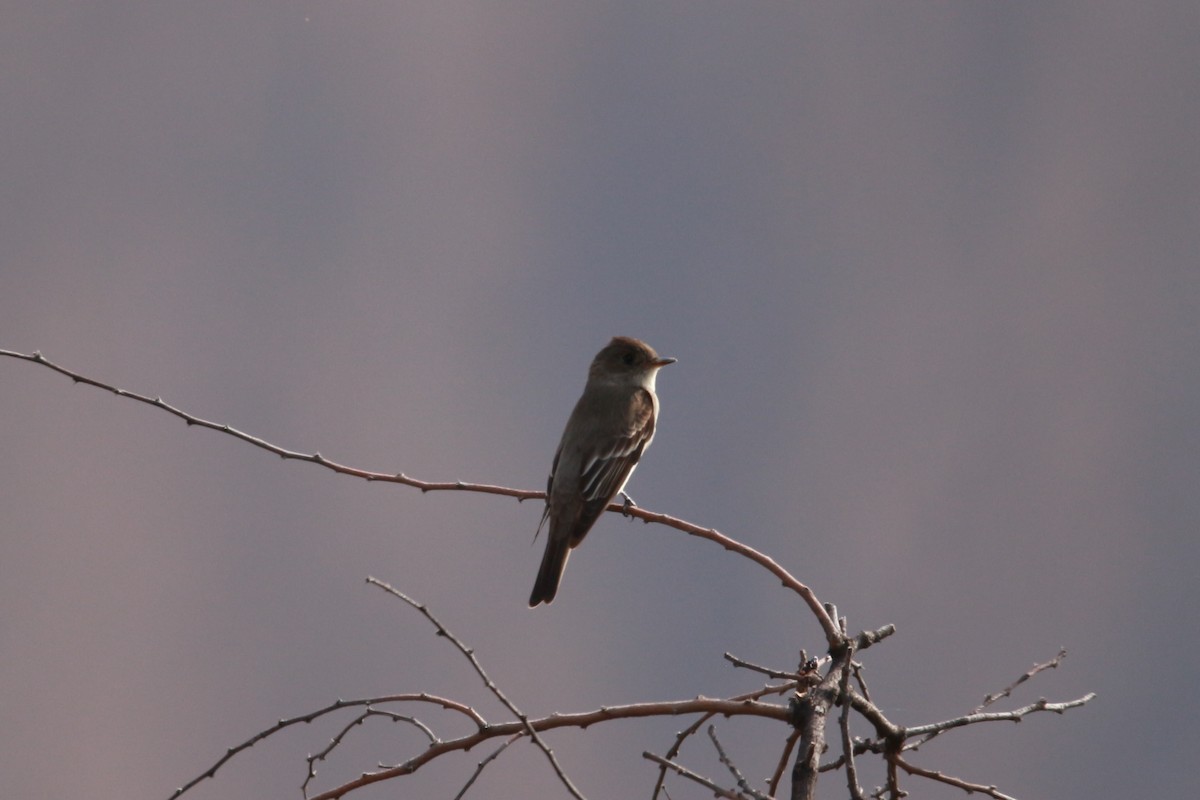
{"x":930,"y":272}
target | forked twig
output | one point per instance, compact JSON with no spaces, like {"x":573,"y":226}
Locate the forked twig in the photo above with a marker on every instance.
{"x":469,"y":654}
{"x":690,"y":730}
{"x":411,"y":697}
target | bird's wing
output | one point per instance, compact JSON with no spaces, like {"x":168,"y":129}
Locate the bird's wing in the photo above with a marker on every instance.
{"x":549,"y":491}
{"x":606,"y":470}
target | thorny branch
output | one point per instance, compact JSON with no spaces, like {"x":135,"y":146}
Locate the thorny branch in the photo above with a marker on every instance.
{"x":711,"y":534}
{"x":814,"y":695}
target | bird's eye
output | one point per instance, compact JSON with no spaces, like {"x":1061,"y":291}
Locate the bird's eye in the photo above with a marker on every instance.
{"x":628,"y":359}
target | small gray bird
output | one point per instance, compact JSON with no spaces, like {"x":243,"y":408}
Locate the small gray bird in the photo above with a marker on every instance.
{"x":610,"y":428}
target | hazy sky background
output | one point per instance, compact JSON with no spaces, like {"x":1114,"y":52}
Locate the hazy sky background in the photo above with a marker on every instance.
{"x":931,"y":273}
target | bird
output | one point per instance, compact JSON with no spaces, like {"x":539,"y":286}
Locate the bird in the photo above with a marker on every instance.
{"x":608,"y":431}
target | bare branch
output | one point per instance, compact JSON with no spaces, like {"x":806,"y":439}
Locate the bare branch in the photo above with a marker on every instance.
{"x":1016,"y":715}
{"x":742,"y":783}
{"x":860,"y":679}
{"x":1005,"y":692}
{"x":736,"y":706}
{"x":784,"y":757}
{"x":847,"y":742}
{"x":814,"y":694}
{"x":700,"y":705}
{"x":487,"y":681}
{"x":719,"y":791}
{"x":418,"y":697}
{"x":1034,"y":670}
{"x":893,"y":780}
{"x":695,"y":726}
{"x":868,"y":638}
{"x":359,"y":720}
{"x":770,"y":673}
{"x":827,"y":625}
{"x":811,"y":711}
{"x":479,"y":767}
{"x":941,"y":777}
{"x":314,"y":458}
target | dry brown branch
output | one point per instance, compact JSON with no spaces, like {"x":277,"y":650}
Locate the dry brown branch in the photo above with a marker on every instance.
{"x":1016,"y":715}
{"x":700,"y":705}
{"x":683,"y":735}
{"x":730,"y":707}
{"x":815,"y":694}
{"x":314,"y":458}
{"x":786,"y":578}
{"x":469,"y":654}
{"x":411,"y":697}
{"x":770,"y":673}
{"x":727,"y":762}
{"x":1005,"y":692}
{"x":337,"y":739}
{"x":844,"y":724}
{"x":941,"y":777}
{"x":482,"y":764}
{"x":1034,"y":670}
{"x":809,"y":714}
{"x":679,"y":769}
{"x":784,"y":757}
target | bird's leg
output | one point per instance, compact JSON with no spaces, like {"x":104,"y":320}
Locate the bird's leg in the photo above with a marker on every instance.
{"x":628,"y":504}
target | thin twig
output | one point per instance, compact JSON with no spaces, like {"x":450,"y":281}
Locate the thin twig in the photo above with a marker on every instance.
{"x":893,"y":780}
{"x":699,"y":705}
{"x":695,"y":726}
{"x":784,"y":758}
{"x":861,"y":680}
{"x":742,"y":783}
{"x":828,"y":626}
{"x":416,"y":723}
{"x":1005,"y":692}
{"x":741,"y":705}
{"x":847,"y":742}
{"x":314,"y":458}
{"x":487,"y":681}
{"x":1016,"y":715}
{"x":1034,"y":670}
{"x":719,"y":791}
{"x":359,"y":720}
{"x":490,"y":758}
{"x":770,"y":673}
{"x":415,"y":697}
{"x":941,"y":777}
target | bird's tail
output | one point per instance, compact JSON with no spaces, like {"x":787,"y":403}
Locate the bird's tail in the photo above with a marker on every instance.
{"x":554,"y":561}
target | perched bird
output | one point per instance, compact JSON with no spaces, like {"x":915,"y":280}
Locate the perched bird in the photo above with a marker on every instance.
{"x":610,"y":428}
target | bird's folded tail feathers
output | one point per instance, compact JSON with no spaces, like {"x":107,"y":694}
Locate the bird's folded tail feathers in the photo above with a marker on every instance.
{"x":554,"y":561}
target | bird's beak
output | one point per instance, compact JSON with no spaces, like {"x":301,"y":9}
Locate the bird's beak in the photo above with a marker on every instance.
{"x":663,"y":361}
